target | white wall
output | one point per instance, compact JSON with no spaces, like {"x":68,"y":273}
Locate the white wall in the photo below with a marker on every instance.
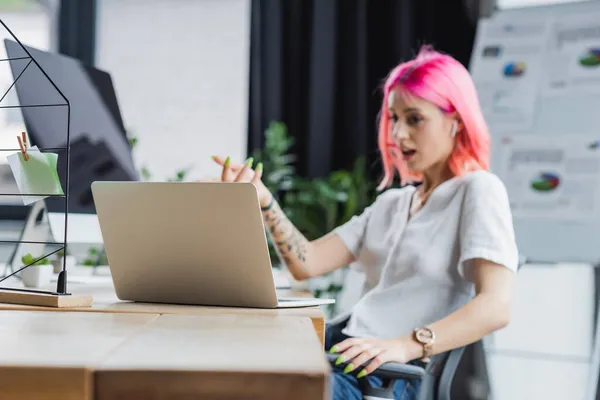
{"x":546,"y":351}
{"x":180,"y":69}
{"x":33,"y":29}
{"x":530,"y":3}
{"x":32,"y":26}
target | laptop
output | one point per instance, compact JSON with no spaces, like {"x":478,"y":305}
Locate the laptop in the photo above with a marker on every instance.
{"x":199,"y":243}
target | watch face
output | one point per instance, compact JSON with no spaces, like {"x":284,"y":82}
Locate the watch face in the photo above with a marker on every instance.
{"x":425,"y":335}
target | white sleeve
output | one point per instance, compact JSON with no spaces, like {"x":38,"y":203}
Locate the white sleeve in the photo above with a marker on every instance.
{"x":486,"y":225}
{"x":353,"y":231}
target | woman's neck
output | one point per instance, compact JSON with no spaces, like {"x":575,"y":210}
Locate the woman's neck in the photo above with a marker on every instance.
{"x":432,"y":179}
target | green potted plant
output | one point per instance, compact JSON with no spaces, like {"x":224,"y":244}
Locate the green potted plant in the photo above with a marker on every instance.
{"x":60,"y":258}
{"x":95,"y":258}
{"x":38,"y":273}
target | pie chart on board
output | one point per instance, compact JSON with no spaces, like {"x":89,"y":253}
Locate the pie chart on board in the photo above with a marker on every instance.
{"x":545,"y":182}
{"x":514,"y":69}
{"x":591,"y":58}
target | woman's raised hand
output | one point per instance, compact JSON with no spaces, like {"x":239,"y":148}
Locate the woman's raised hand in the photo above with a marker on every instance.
{"x":244,"y":173}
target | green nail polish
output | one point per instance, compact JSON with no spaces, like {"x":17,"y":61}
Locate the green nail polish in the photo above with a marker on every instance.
{"x":361,"y":374}
{"x":334,"y":349}
{"x":227,"y":161}
{"x":250,"y":161}
{"x":349,"y":368}
{"x":259,"y":167}
{"x":340,"y":360}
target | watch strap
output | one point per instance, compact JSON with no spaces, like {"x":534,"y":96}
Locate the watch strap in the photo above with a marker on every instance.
{"x":426,"y":353}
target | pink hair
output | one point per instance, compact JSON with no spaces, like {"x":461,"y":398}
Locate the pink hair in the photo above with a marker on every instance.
{"x":443,"y":81}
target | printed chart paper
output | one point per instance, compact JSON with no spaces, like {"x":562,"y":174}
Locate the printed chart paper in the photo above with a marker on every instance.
{"x":573,"y":56}
{"x":554,"y":178}
{"x":506,"y":71}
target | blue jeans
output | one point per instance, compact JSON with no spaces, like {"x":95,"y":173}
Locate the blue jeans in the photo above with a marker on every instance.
{"x":348,"y":386}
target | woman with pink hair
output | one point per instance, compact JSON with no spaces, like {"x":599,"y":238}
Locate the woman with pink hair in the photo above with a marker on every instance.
{"x":438,"y":254}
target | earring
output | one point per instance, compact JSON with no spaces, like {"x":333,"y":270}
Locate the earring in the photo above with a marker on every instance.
{"x":454,"y":127}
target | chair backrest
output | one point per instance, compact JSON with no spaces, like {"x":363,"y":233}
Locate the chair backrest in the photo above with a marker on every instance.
{"x":437,"y":382}
{"x":445,"y":382}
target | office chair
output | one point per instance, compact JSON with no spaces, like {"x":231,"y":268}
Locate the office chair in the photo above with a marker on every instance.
{"x":436,"y":378}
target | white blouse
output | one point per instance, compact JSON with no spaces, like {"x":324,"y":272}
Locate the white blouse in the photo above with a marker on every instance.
{"x":417,"y":270}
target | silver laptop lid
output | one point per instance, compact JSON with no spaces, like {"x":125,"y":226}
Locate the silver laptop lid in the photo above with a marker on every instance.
{"x":187,"y":243}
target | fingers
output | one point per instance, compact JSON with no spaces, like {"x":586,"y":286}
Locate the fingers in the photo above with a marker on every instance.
{"x":344,"y":345}
{"x":227,"y":175}
{"x":360,"y":352}
{"x":239,"y":172}
{"x":375,"y":363}
{"x":221,"y":161}
{"x":257,"y":173}
{"x":352,"y":354}
{"x":246,"y":173}
{"x":365,"y":356}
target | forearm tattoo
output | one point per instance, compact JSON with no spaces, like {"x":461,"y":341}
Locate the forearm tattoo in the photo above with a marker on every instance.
{"x":290,"y":244}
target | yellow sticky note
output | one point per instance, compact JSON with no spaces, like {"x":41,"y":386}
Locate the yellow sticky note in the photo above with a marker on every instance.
{"x":36,"y":176}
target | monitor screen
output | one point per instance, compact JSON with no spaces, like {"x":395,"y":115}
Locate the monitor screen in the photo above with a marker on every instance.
{"x":99,"y":149}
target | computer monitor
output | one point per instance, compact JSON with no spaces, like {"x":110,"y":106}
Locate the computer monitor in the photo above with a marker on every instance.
{"x":103,"y":84}
{"x":99,"y":146}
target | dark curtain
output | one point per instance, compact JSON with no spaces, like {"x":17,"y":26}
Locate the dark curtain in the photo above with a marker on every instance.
{"x":77,"y":30}
{"x":317,"y":65}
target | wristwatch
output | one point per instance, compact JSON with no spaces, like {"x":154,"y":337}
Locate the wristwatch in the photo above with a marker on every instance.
{"x":426,"y":337}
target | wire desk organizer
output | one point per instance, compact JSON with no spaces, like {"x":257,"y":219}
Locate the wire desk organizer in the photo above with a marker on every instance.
{"x":59,"y":297}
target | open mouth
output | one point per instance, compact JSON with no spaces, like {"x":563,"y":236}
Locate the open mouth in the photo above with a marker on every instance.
{"x":408,"y":154}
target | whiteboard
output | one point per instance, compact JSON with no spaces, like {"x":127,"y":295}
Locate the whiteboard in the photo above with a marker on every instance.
{"x":538,"y":81}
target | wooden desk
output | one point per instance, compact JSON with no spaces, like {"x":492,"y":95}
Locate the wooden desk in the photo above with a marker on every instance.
{"x":51,"y":355}
{"x":105,"y":300}
{"x":217,"y":357}
{"x":95,"y":355}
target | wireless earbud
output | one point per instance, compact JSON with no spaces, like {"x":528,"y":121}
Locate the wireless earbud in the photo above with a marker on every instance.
{"x":454,"y":127}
